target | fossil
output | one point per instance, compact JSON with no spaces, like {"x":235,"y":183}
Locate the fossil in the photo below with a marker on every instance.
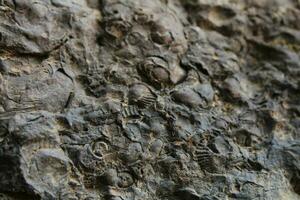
{"x":99,"y":149}
{"x":208,"y":160}
{"x":88,"y":159}
{"x":141,"y":95}
{"x":117,"y":28}
{"x":101,"y":115}
{"x":156,"y":70}
{"x":188,"y":97}
{"x":131,"y":111}
{"x":156,"y":100}
{"x":159,"y":72}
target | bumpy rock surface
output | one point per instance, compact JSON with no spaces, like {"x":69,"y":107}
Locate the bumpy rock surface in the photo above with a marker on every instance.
{"x":149,"y":99}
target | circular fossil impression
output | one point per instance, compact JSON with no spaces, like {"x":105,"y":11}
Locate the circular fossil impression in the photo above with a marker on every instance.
{"x":99,"y":148}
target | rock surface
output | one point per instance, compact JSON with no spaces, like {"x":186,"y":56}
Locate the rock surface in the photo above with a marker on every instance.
{"x":149,"y":100}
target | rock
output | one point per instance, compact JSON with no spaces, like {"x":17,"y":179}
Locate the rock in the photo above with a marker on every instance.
{"x":188,"y":194}
{"x":134,"y":99}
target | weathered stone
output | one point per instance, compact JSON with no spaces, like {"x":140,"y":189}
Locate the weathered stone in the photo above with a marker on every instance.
{"x":158,"y":99}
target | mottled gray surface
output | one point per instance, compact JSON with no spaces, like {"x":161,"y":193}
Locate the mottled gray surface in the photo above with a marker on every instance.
{"x":149,"y":99}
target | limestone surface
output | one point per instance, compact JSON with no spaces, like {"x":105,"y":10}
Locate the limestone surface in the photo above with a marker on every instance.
{"x":149,"y":99}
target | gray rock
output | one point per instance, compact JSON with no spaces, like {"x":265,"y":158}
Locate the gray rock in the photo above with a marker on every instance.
{"x":133,"y":99}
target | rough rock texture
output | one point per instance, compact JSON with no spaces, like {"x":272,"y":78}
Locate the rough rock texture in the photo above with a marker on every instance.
{"x":149,"y":99}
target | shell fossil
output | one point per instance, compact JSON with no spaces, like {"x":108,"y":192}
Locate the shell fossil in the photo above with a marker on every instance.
{"x":117,"y":28}
{"x":130,"y":111}
{"x":161,"y":37}
{"x":159,"y":73}
{"x":102,"y":114}
{"x":134,"y":38}
{"x":141,"y":95}
{"x":156,"y":70}
{"x":188,"y":97}
{"x":169,"y":32}
{"x":206,"y":159}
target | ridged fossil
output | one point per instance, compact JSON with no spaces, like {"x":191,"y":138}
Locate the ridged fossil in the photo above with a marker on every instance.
{"x":141,"y":95}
